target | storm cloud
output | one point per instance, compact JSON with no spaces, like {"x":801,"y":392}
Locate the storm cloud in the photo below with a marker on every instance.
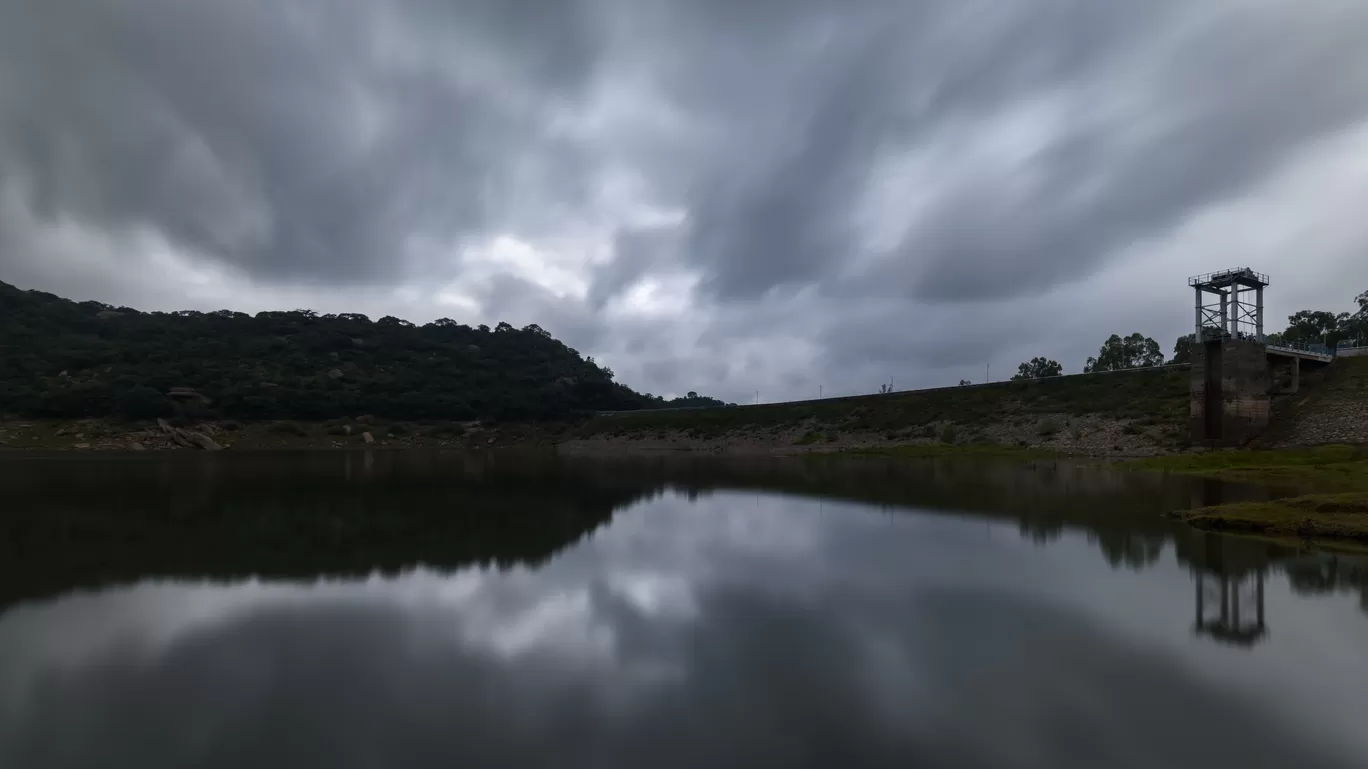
{"x":706,"y":195}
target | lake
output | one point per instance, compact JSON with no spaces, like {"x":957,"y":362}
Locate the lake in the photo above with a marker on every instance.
{"x":388,"y":609}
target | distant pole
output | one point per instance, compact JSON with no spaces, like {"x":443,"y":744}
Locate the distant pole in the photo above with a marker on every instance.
{"x":757,"y":397}
{"x":819,"y":392}
{"x":986,"y":378}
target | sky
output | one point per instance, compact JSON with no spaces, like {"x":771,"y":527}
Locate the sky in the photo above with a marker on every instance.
{"x":748,"y":199}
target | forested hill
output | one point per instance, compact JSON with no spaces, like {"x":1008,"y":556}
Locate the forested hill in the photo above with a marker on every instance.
{"x":60,"y":358}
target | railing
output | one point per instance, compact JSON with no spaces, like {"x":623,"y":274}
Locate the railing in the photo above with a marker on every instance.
{"x":1224,"y":275}
{"x":1313,"y":349}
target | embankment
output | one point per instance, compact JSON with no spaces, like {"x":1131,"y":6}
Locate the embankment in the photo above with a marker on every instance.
{"x":1128,"y":413}
{"x":1331,"y":408}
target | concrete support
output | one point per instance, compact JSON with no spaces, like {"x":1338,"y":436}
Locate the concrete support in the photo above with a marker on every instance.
{"x":1198,"y":338}
{"x":1230,"y":392}
{"x":1259,"y":314}
{"x":1235,"y":310}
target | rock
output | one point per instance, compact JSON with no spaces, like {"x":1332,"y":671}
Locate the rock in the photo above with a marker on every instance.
{"x":164,"y":425}
{"x":80,"y":445}
{"x":80,"y":436}
{"x":135,"y":446}
{"x":335,"y":374}
{"x":365,"y":420}
{"x":64,"y":375}
{"x":269,"y":385}
{"x":358,"y":342}
{"x":368,"y":438}
{"x":64,"y":431}
{"x":192,"y":440}
{"x":491,"y":440}
{"x":346,"y":430}
{"x":187,"y":394}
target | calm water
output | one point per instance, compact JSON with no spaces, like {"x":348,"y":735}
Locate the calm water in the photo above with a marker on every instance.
{"x":425,"y":610}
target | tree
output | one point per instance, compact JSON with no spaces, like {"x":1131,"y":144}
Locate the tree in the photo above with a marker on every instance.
{"x":1039,"y":368}
{"x":64,"y":359}
{"x":965,"y":383}
{"x":1314,"y":327}
{"x":1182,"y":349}
{"x":1117,"y":354}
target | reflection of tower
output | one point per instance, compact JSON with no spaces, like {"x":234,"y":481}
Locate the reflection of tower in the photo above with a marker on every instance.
{"x":1230,"y":609}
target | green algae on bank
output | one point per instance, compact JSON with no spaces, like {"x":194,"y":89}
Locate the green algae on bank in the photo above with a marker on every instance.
{"x":1312,"y":517}
{"x":933,"y":450}
{"x":1333,"y":468}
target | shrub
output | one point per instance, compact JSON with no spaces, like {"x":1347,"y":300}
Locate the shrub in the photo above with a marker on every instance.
{"x":1047,"y":428}
{"x":949,"y":434}
{"x":808,"y":438}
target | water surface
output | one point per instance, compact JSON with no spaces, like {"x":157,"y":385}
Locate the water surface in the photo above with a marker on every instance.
{"x":387,"y":609}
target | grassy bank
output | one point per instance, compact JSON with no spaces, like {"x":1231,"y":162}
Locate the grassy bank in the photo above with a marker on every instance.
{"x":115,"y":435}
{"x":1331,"y":517}
{"x":1335,"y":468}
{"x":1333,"y":480}
{"x":935,"y":450}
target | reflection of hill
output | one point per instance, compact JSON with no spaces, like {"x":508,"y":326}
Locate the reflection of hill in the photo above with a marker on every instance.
{"x":1123,"y":512}
{"x":71,"y":523}
{"x":80,"y":521}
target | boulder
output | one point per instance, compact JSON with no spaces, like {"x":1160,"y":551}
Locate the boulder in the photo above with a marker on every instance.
{"x":199,"y":440}
{"x":365,"y":420}
{"x":186,"y":394}
{"x":135,"y":446}
{"x":188,"y":438}
{"x":368,"y":438}
{"x":335,"y":374}
{"x":80,"y":445}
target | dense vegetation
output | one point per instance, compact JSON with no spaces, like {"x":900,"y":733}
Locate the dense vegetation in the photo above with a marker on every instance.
{"x":67,"y":359}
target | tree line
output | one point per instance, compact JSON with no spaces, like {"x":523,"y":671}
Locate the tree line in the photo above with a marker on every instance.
{"x":1138,"y":351}
{"x":66,"y":359}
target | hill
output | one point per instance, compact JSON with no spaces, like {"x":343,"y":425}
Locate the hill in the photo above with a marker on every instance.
{"x":64,"y":359}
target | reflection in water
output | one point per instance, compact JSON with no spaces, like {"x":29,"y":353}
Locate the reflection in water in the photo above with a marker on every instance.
{"x":1231,"y":609}
{"x":670,"y":612}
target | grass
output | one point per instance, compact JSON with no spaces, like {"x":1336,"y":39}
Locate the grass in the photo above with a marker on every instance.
{"x":1337,"y":468}
{"x":1160,"y":395}
{"x":1316,"y":517}
{"x":931,"y":450}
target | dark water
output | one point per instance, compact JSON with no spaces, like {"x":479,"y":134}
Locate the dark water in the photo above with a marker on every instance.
{"x":425,"y":610}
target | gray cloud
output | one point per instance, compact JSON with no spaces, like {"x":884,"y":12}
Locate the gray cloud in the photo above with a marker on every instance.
{"x":845,"y":183}
{"x":304,"y":144}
